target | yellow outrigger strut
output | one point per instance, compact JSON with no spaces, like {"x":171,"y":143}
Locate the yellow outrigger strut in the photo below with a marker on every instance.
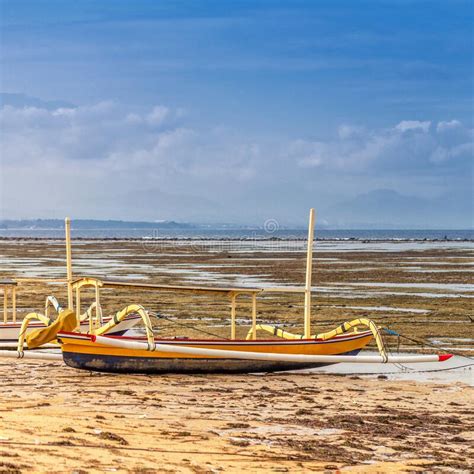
{"x":121,"y":315}
{"x":328,"y":335}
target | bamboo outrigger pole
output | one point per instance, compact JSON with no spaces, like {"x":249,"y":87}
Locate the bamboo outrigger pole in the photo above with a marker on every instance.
{"x":309,"y":271}
{"x":67,"y":223}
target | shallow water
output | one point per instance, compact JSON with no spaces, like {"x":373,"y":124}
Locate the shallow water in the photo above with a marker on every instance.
{"x":385,"y":308}
{"x":371,"y":289}
{"x":428,"y":286}
{"x":430,"y":270}
{"x":350,"y":293}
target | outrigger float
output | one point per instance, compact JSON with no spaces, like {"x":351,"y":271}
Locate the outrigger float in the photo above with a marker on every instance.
{"x":91,"y":342}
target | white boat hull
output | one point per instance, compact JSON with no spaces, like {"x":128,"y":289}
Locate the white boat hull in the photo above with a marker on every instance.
{"x":10,"y":331}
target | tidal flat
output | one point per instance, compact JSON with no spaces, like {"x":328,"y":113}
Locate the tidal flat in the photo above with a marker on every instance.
{"x":69,"y":420}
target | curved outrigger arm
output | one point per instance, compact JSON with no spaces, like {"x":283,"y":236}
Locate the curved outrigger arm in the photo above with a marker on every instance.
{"x":121,"y":315}
{"x":118,"y":317}
{"x":52,"y":301}
{"x":24,"y":326}
{"x":87,"y":314}
{"x":343,"y":328}
{"x":275,"y":330}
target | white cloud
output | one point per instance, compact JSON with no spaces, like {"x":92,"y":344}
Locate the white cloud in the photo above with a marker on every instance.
{"x":108,"y":160}
{"x":443,"y":126}
{"x":308,"y":154}
{"x":441,"y":154}
{"x":361,"y":150}
{"x":158,"y":115}
{"x":349,"y":131}
{"x":96,"y":154}
{"x":407,"y":125}
{"x":134,"y":118}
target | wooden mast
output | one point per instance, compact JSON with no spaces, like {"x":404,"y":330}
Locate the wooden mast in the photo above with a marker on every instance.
{"x":309,"y":271}
{"x":70,"y":303}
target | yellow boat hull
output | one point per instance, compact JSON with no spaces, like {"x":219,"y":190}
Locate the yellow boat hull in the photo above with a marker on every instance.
{"x":81,"y":352}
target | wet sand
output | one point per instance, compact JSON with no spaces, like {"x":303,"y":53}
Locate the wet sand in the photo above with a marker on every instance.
{"x":57,"y":419}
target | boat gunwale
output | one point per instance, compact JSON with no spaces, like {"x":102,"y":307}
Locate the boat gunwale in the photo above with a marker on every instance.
{"x":335,"y":339}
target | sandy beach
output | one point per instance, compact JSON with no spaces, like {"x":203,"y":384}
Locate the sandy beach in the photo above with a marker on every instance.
{"x":57,"y":419}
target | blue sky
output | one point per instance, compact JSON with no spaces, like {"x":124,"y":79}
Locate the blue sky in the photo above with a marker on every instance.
{"x":239,"y":111}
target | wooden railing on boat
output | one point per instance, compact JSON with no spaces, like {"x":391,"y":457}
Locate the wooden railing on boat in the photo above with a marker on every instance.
{"x":8,"y":286}
{"x":12,"y":286}
{"x":98,"y":284}
{"x":231,"y":292}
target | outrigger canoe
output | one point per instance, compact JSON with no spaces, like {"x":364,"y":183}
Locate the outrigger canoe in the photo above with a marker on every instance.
{"x":140,"y":355}
{"x":100,"y":350}
{"x":84,"y":351}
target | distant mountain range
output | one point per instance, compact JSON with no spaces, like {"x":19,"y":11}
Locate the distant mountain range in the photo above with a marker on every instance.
{"x":91,"y":224}
{"x":388,"y":209}
{"x":95,"y":224}
{"x":379,"y":209}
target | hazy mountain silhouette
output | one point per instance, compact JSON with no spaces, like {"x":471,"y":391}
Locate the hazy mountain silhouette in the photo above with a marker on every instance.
{"x":386,"y":208}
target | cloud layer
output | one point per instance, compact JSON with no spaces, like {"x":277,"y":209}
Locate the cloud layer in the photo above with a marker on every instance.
{"x":107,"y":160}
{"x":411,"y":145}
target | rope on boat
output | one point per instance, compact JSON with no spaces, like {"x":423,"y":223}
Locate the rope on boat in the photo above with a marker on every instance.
{"x":422,"y":343}
{"x":413,"y":371}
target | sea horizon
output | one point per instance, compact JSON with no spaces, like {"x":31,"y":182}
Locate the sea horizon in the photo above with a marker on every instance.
{"x":210,"y":233}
